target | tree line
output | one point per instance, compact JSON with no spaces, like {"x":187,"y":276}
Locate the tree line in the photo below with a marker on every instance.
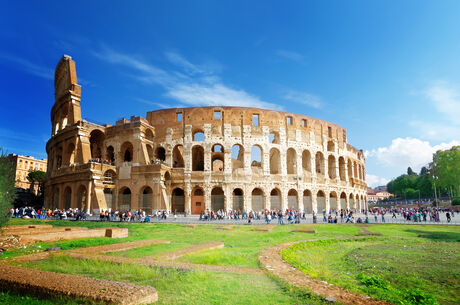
{"x":440,"y":178}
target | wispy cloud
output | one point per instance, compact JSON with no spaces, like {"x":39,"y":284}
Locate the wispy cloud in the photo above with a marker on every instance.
{"x":303,"y":98}
{"x":290,"y":55}
{"x":189,"y":85}
{"x":373,"y":180}
{"x":446,"y":100}
{"x":28,"y":66}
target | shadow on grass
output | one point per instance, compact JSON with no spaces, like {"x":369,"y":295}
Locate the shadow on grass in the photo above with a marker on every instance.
{"x":437,"y":236}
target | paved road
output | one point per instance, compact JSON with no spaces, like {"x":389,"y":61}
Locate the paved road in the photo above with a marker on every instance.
{"x":309,"y":219}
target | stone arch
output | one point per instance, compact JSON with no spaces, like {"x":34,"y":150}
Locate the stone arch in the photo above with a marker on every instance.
{"x":332,"y":167}
{"x":274,"y":137}
{"x":217,"y":199}
{"x":292,"y":200}
{"x":197,"y":200}
{"x":257,"y":199}
{"x":321,"y":202}
{"x":110,"y":154}
{"x":124,"y":199}
{"x":351,"y":201}
{"x":291,"y":161}
{"x":238,"y":199}
{"x":146,"y":199}
{"x":343,"y":200}
{"x":275,"y":199}
{"x":237,"y":154}
{"x":357,"y":203}
{"x":96,"y":140}
{"x":127,"y":152}
{"x":67,"y":198}
{"x":330,"y":146}
{"x":178,"y":156}
{"x":355,"y":170}
{"x":197,"y":158}
{"x":350,"y":169}
{"x":275,"y":165}
{"x":198,"y":135}
{"x":342,"y":172}
{"x":217,"y":158}
{"x":178,"y":200}
{"x":256,"y":159}
{"x":149,"y":134}
{"x":160,"y":153}
{"x":307,"y":203}
{"x":319,"y":162}
{"x":56,"y":194}
{"x":333,"y":203}
{"x":360,"y":172}
{"x":306,"y":161}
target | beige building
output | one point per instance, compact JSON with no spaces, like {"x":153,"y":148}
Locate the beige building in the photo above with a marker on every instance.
{"x":23,"y":166}
{"x":192,"y":159}
{"x":377,"y":196}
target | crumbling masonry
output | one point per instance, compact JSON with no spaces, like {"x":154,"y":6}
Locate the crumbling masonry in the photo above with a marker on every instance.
{"x":192,"y":159}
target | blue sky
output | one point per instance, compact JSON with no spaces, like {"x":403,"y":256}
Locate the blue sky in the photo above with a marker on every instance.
{"x":388,"y":71}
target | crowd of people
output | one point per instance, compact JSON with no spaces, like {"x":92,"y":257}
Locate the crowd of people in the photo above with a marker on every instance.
{"x":291,"y":216}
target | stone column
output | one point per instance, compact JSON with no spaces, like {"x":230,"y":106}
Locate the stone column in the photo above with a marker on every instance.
{"x":314,"y":203}
{"x":188,"y":198}
{"x":300,"y":200}
{"x":284,"y":199}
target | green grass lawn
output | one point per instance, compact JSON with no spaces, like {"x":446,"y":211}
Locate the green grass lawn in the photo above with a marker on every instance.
{"x":419,"y":260}
{"x":342,"y":262}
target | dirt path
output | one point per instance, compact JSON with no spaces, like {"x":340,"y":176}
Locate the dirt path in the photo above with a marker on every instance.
{"x":273,"y":262}
{"x":182,"y":252}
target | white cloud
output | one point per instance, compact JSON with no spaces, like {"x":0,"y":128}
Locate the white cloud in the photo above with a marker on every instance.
{"x":373,"y":180}
{"x":28,"y":66}
{"x":203,"y":89}
{"x":446,"y":100}
{"x":405,"y":152}
{"x":290,"y":55}
{"x":303,"y":98}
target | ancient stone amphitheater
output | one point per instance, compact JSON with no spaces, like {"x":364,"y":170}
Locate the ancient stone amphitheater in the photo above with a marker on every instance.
{"x":193,"y":159}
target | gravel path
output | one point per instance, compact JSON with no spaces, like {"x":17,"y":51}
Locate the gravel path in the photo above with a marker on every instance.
{"x":273,"y":262}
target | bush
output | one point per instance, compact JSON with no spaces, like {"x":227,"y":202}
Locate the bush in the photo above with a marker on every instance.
{"x":7,"y":190}
{"x":372,"y":281}
{"x":456,"y":201}
{"x":418,"y":297}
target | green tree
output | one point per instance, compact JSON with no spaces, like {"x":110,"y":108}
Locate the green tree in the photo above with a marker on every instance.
{"x":410,"y":171}
{"x":7,"y":189}
{"x":37,"y":177}
{"x":446,"y":169}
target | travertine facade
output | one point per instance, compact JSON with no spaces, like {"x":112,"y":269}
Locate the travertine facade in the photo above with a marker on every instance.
{"x":191,"y":159}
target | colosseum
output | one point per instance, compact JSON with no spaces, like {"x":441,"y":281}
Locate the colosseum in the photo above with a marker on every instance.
{"x":194,"y":159}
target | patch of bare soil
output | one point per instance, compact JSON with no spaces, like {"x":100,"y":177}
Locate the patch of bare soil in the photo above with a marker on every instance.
{"x":45,"y":283}
{"x":264,"y":228}
{"x":304,"y":230}
{"x":229,"y":228}
{"x":9,"y":242}
{"x":273,"y":262}
{"x":193,"y":249}
{"x":120,"y":246}
{"x":367,"y":232}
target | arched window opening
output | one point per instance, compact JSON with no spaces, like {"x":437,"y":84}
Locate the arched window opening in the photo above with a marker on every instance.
{"x":321,"y":202}
{"x":197,"y":158}
{"x":291,"y":161}
{"x":342,"y":173}
{"x":306,"y":162}
{"x":274,"y":137}
{"x":217,"y":158}
{"x":197,"y":201}
{"x":150,"y":154}
{"x":275,"y":164}
{"x":70,"y":153}
{"x":178,"y":156}
{"x":67,"y":198}
{"x":319,"y":160}
{"x":108,"y":195}
{"x":355,"y":170}
{"x":110,"y":155}
{"x":217,"y":199}
{"x":81,"y":197}
{"x":96,"y":141}
{"x":332,"y":167}
{"x":257,"y":200}
{"x":292,"y":200}
{"x":147,"y":200}
{"x":307,"y":204}
{"x":127,"y":152}
{"x":256,"y":159}
{"x":351,"y":202}
{"x":237,"y":156}
{"x":59,"y":157}
{"x":350,"y":170}
{"x":333,"y":201}
{"x":275,"y":199}
{"x":160,"y":154}
{"x":149,"y":134}
{"x":109,"y":177}
{"x":124,"y":200}
{"x":343,"y":200}
{"x":238,"y":199}
{"x":198,"y":136}
{"x":178,"y":200}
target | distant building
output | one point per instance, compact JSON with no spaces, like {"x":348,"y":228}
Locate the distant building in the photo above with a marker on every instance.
{"x":382,"y":188}
{"x":23,"y":165}
{"x":374,"y":195}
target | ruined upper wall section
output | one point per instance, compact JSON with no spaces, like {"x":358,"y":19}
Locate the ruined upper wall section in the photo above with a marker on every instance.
{"x":238,"y":117}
